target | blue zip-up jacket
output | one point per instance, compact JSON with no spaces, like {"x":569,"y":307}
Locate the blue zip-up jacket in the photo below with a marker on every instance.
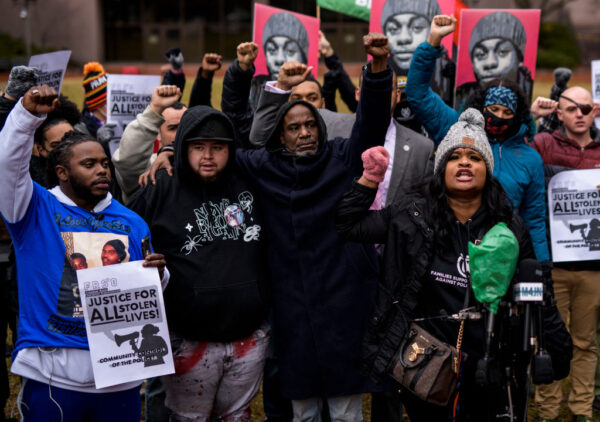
{"x":517,"y":166}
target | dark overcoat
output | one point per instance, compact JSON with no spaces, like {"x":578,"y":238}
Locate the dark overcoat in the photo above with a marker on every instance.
{"x":323,"y":287}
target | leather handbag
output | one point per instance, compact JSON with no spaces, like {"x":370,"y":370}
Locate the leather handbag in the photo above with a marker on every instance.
{"x":428,"y":367}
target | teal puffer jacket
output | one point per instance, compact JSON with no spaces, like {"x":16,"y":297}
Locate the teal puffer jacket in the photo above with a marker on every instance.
{"x":517,"y":166}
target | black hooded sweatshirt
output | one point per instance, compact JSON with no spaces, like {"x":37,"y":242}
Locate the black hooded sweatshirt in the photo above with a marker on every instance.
{"x":212,"y":238}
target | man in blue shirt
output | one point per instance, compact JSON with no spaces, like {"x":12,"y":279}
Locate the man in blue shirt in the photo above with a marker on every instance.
{"x":48,"y":228}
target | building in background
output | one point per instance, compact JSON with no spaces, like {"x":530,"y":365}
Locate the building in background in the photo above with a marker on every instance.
{"x":142,"y":30}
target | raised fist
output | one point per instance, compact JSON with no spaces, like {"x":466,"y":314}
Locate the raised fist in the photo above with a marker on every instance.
{"x":543,"y":107}
{"x":292,"y":74}
{"x":325,"y":48}
{"x":441,"y":25}
{"x":376,"y":45}
{"x":163,"y":97}
{"x":375,"y":163}
{"x":211,"y":62}
{"x":40,"y":99}
{"x":246,"y":54}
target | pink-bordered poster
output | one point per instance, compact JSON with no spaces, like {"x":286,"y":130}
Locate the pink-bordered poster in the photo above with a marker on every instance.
{"x":496,"y":43}
{"x":284,"y":36}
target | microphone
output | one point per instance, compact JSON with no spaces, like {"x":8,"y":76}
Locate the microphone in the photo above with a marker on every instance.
{"x":530,"y":290}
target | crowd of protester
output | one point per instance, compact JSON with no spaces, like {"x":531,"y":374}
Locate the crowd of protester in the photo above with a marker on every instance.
{"x":295,"y":244}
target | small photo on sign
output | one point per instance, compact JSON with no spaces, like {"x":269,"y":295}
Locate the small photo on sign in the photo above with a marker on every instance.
{"x":86,"y":250}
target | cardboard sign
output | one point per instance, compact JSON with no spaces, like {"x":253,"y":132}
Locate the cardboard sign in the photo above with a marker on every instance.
{"x":125,"y":323}
{"x":127,"y":96}
{"x":574,"y":204}
{"x":406,"y":24}
{"x":284,"y":36}
{"x":496,"y":43}
{"x":52,"y":67}
{"x":596,"y":85}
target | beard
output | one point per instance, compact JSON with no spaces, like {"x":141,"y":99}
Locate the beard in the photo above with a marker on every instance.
{"x":83,"y":191}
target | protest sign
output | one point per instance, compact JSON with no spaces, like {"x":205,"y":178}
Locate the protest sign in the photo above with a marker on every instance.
{"x":406,"y":24}
{"x":52,"y":67}
{"x":496,"y":43}
{"x":574,"y":204}
{"x":127,"y":95}
{"x":125,"y":323}
{"x":358,"y":8}
{"x":596,"y":85}
{"x":284,"y":36}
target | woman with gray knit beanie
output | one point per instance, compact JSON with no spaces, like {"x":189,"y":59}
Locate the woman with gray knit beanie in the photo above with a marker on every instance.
{"x":426,"y":273}
{"x":519,"y":168}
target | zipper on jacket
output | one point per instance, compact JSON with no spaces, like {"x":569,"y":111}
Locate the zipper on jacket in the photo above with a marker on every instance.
{"x":582,"y":149}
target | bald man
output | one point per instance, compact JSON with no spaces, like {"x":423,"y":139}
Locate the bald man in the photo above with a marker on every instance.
{"x":576,"y":284}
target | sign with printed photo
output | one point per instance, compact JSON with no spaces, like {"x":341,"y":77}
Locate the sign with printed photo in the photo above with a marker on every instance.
{"x":574,"y":204}
{"x":496,"y":43}
{"x":406,"y":24}
{"x":127,"y":96}
{"x":125,"y":323}
{"x":52,"y":68}
{"x":596,"y":85}
{"x":284,"y":36}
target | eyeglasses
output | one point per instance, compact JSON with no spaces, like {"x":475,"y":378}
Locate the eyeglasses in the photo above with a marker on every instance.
{"x":585,"y":108}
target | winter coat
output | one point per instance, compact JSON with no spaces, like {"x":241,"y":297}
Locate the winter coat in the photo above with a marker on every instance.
{"x":211,"y":236}
{"x":235,"y":102}
{"x":323,"y":287}
{"x":408,"y":255}
{"x":557,"y":149}
{"x":517,"y":166}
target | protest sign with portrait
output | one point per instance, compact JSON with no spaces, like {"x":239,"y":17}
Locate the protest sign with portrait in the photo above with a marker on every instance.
{"x":495,"y":43}
{"x":406,"y":23}
{"x":284,"y":36}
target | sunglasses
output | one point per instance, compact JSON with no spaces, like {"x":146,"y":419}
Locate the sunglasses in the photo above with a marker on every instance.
{"x":585,"y":108}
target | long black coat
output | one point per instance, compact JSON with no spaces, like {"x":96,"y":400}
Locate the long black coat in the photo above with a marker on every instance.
{"x":323,"y":287}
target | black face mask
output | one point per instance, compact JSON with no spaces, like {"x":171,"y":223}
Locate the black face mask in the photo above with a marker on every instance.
{"x":496,"y":127}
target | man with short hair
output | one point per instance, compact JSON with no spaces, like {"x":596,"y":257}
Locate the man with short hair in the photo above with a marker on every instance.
{"x":159,"y":120}
{"x":576,"y":284}
{"x":52,"y":353}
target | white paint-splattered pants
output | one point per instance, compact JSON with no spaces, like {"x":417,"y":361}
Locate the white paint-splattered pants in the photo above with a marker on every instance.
{"x":216,"y":381}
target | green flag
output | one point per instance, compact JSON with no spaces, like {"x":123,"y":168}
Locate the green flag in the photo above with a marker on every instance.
{"x":360,"y":9}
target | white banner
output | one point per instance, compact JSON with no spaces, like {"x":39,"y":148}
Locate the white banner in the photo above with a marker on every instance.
{"x":596,"y":85}
{"x":125,"y":323}
{"x":574,"y":204}
{"x":127,"y":96}
{"x":52,"y":67}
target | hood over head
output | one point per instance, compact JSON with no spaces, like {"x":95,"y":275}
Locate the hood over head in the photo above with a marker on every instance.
{"x":201,"y":123}
{"x":274,"y":144}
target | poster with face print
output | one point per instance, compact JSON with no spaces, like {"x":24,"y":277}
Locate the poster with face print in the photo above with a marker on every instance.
{"x":284,"y":36}
{"x":497,"y":44}
{"x":406,"y":24}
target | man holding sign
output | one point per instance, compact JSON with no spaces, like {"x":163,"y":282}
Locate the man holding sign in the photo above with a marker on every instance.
{"x":50,"y":229}
{"x":576,"y":284}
